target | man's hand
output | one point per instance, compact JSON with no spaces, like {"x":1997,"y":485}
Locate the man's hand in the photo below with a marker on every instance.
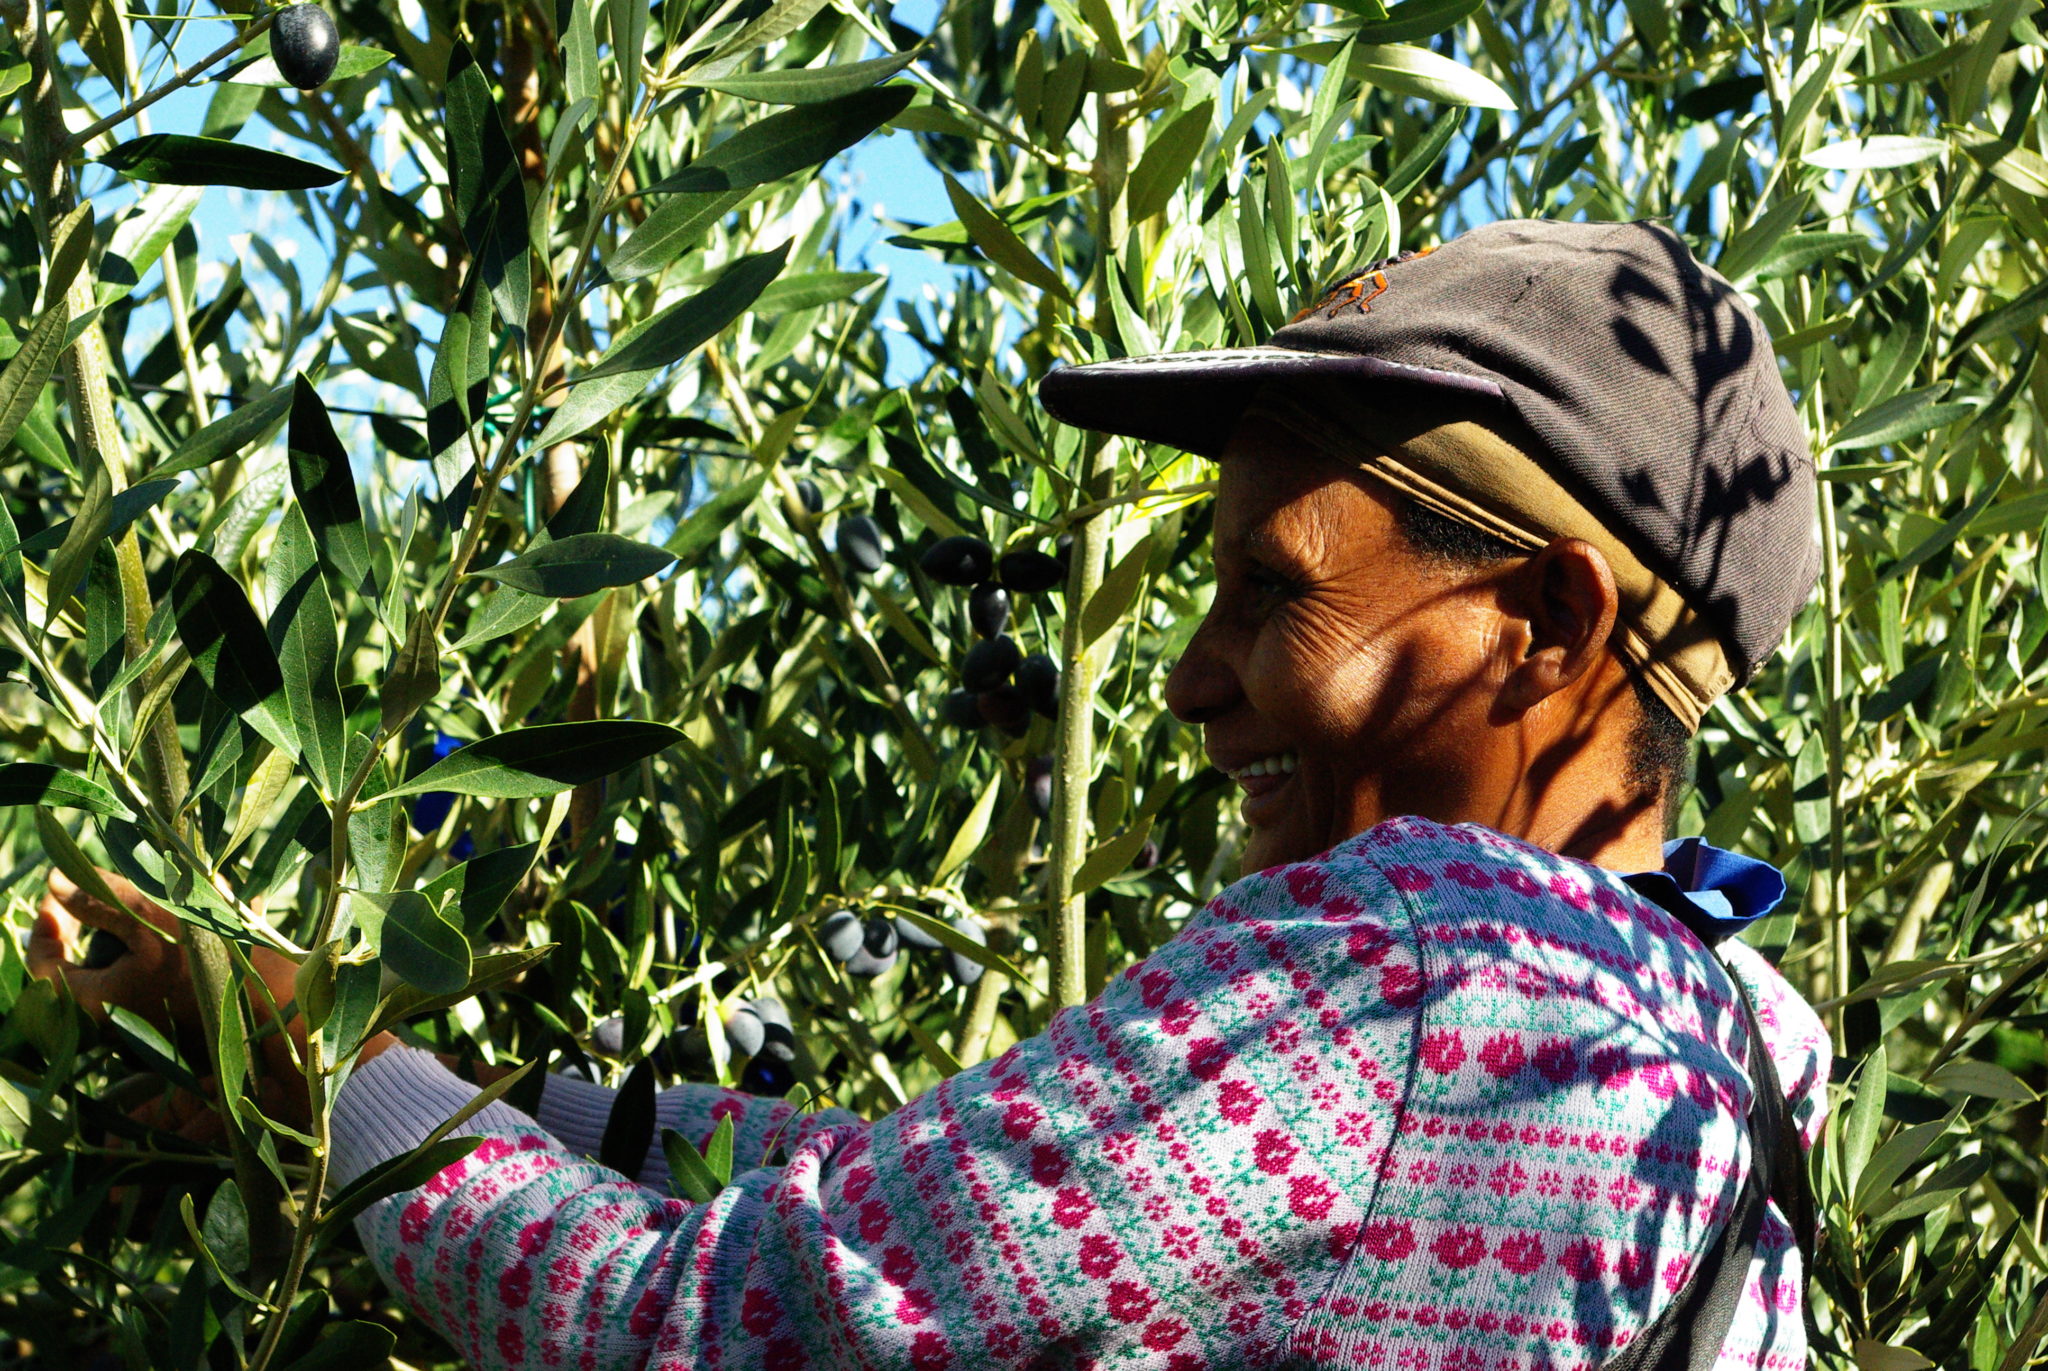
{"x":149,"y":976}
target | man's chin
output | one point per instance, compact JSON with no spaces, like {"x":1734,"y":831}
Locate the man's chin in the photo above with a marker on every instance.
{"x":1267,"y":847}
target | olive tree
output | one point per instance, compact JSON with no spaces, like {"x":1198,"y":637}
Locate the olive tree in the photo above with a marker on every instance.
{"x":563,"y":629}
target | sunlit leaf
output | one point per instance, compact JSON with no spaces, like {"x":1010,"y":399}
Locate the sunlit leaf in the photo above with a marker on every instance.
{"x":41,"y":784}
{"x":422,"y":946}
{"x":579,"y":564}
{"x":808,"y":85}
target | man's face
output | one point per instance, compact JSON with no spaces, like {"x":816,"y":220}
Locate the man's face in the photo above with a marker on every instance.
{"x":1336,"y":672}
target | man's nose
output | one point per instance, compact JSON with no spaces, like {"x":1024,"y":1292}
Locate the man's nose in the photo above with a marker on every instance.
{"x":1202,"y":685}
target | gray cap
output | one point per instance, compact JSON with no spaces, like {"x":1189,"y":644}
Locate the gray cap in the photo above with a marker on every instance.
{"x":1646,"y":379}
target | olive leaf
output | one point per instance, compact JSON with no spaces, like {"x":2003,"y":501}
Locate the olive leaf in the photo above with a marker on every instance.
{"x":664,"y":338}
{"x":228,"y":435}
{"x":527,"y":762}
{"x":28,"y":370}
{"x":422,"y":946}
{"x":140,"y":237}
{"x":302,"y":633}
{"x":326,"y":490}
{"x":353,"y":59}
{"x":479,"y":887}
{"x":228,"y":646}
{"x":488,"y":191}
{"x":629,"y":1128}
{"x":579,"y":564}
{"x":44,"y":785}
{"x":772,"y":148}
{"x":809,"y":85}
{"x":184,"y":159}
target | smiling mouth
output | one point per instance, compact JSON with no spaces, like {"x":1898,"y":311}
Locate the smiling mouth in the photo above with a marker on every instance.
{"x":1280,"y":764}
{"x":1260,"y":781}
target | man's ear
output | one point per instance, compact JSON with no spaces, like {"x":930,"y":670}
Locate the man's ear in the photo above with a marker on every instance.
{"x":1566,"y":599}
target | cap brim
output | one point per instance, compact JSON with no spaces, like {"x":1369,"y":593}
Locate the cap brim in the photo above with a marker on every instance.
{"x":1192,"y":400}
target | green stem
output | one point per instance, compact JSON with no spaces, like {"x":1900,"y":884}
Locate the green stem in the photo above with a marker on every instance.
{"x":1831,"y":666}
{"x":1073,"y":763}
{"x":316,"y":1183}
{"x":86,"y":365}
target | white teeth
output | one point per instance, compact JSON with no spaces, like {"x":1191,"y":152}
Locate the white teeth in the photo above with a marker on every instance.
{"x":1283,"y":764}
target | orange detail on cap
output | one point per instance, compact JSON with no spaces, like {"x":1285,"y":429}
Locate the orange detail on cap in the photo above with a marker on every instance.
{"x":1352,"y":291}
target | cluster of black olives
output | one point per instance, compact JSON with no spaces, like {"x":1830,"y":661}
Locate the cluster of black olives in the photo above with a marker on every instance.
{"x":757,"y":1030}
{"x":760,"y":1027}
{"x":867,"y":947}
{"x":1001,"y":686}
{"x":305,"y":45}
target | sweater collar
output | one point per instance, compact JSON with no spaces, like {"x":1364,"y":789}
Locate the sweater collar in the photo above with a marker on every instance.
{"x":1713,"y":892}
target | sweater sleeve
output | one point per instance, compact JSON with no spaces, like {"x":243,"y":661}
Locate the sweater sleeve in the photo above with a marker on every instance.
{"x":1167,"y":1174}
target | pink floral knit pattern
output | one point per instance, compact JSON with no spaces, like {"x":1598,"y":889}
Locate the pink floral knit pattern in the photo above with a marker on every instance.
{"x":1434,"y":1101}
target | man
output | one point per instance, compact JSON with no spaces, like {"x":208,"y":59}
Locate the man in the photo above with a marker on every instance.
{"x":1453,"y":1080}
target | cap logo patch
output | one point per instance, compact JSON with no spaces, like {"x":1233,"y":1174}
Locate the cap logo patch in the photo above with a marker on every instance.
{"x":1359,"y":289}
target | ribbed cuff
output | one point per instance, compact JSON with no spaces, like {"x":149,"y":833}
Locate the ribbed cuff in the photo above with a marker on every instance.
{"x":392,"y":1102}
{"x":576,"y":1112}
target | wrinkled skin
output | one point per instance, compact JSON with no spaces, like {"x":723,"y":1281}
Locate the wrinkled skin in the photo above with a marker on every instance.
{"x":1404,"y":686}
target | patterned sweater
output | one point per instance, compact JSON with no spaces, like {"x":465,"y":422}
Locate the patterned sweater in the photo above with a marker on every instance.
{"x":1433,"y":1101}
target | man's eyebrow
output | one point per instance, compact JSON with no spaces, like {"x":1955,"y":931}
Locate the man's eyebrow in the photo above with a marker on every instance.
{"x":1262,"y":543}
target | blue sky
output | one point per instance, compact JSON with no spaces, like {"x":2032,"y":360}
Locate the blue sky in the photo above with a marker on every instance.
{"x":886,"y":174}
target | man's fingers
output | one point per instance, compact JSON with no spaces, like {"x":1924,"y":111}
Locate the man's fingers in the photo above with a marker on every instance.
{"x":184,"y":1115}
{"x":50,"y":940}
{"x":143,"y":938}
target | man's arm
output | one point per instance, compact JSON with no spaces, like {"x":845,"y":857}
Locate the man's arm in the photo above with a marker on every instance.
{"x":1154,"y":1176}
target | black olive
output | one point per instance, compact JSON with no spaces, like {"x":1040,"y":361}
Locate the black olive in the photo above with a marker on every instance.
{"x":683,"y":1053}
{"x":778,"y":1038}
{"x":1147,"y":858}
{"x":769,"y":1076}
{"x":988,"y":609}
{"x":103,"y":949}
{"x":989,"y":664}
{"x":1038,"y":676}
{"x":913,"y":936}
{"x":744,"y":1031}
{"x":1029,"y":571}
{"x":961,"y":711}
{"x":840,"y":934}
{"x":958,"y":561}
{"x":860,"y":544}
{"x":1005,"y":707}
{"x":808,"y":496}
{"x":965,"y":969}
{"x":304,"y":44}
{"x":877,"y":948}
{"x":1038,"y":786}
{"x":609,"y":1037}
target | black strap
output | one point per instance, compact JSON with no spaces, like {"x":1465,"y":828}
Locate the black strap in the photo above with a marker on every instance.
{"x":1689,"y":1334}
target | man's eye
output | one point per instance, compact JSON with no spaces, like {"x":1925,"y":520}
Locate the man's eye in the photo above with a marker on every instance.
{"x":1269,"y":582}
